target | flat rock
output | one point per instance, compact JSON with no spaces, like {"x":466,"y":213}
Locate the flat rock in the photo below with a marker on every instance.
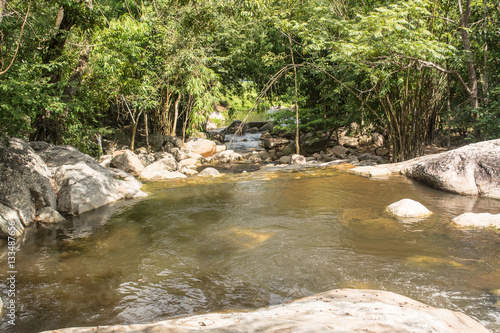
{"x":481,"y":220}
{"x":408,"y":208}
{"x":342,"y":310}
{"x":161,"y":174}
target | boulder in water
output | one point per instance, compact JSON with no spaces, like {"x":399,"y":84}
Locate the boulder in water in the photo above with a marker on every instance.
{"x":408,"y":208}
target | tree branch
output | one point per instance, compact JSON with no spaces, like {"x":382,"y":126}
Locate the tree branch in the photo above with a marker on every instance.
{"x":18,"y":41}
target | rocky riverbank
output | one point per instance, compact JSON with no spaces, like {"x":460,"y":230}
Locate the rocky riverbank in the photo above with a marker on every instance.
{"x":42,"y":182}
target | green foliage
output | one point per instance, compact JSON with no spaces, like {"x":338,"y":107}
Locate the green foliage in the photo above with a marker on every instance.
{"x":373,"y":62}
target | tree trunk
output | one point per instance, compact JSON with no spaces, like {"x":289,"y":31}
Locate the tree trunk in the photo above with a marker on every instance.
{"x":464,"y":24}
{"x":146,"y":130}
{"x":76,"y":77}
{"x":132,"y":140}
{"x":486,"y":89}
{"x":297,"y":132}
{"x":176,"y":115}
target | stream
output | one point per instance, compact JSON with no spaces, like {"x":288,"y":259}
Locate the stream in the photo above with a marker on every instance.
{"x":250,"y":240}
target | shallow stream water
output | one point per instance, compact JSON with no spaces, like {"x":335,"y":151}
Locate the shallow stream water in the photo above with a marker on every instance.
{"x":251,"y":240}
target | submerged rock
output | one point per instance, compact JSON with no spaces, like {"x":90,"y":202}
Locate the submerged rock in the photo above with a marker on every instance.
{"x":49,"y":215}
{"x":482,"y":220}
{"x":341,"y":310}
{"x":209,"y":172}
{"x":408,"y":208}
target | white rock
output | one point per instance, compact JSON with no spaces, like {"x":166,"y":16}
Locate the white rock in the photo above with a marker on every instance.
{"x":482,"y":220}
{"x":209,"y":172}
{"x":408,"y":208}
{"x":203,"y":147}
{"x":220,"y":148}
{"x":297,"y":159}
{"x":161,"y":174}
{"x":369,"y":171}
{"x":342,"y":310}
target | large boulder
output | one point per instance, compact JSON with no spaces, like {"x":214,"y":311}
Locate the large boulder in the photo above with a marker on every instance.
{"x":25,"y":187}
{"x":203,"y":147}
{"x":82,"y":184}
{"x":341,"y":310}
{"x":470,"y":170}
{"x":128,"y":161}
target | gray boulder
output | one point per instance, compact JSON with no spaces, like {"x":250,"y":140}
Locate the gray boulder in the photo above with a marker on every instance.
{"x":341,"y":310}
{"x":128,"y":161}
{"x":82,"y":188}
{"x":285,"y":159}
{"x":82,"y":184}
{"x":25,"y":186}
{"x":49,"y":215}
{"x":470,"y":170}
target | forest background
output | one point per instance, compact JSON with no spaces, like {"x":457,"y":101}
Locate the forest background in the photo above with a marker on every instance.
{"x":415,"y":70}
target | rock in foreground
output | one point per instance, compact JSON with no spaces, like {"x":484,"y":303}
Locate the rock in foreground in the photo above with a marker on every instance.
{"x":25,"y":187}
{"x":342,"y":310}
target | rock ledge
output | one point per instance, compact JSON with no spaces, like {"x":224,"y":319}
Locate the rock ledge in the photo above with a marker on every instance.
{"x":341,"y":310}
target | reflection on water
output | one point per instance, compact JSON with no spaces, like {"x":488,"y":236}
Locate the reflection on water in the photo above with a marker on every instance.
{"x":252,"y":240}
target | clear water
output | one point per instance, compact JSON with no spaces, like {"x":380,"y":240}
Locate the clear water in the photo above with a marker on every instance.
{"x":252,"y":240}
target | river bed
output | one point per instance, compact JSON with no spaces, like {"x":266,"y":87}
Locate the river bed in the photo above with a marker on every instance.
{"x":250,"y":240}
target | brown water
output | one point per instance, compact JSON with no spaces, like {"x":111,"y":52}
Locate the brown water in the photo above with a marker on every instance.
{"x":252,"y":240}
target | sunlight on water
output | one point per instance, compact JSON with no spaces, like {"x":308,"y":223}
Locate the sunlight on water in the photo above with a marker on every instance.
{"x":252,"y":240}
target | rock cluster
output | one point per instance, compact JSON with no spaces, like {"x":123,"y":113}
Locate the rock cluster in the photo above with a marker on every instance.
{"x":39,"y":183}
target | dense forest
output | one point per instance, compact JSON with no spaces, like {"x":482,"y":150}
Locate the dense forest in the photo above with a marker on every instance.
{"x":72,"y":69}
